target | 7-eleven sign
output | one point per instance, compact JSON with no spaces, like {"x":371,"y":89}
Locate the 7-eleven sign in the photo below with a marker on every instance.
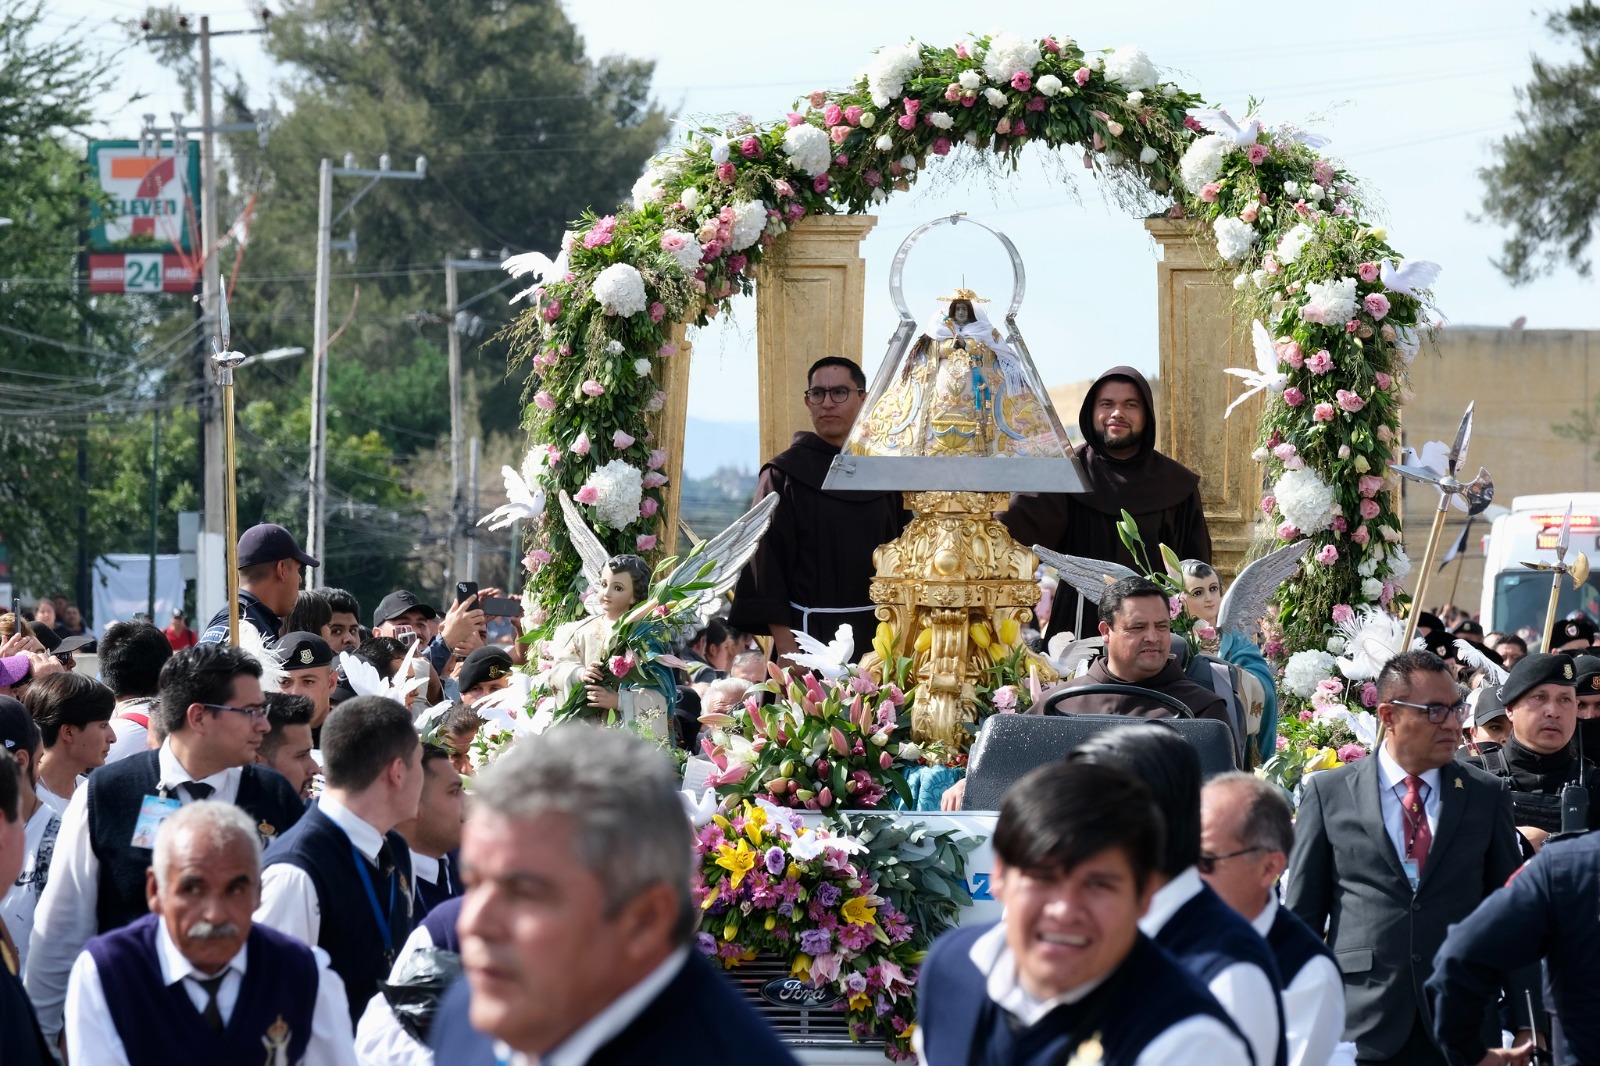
{"x":154,"y":197}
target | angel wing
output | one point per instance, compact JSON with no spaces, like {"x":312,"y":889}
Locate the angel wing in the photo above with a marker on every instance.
{"x":361,"y":675}
{"x":1265,"y":377}
{"x":272,"y":671}
{"x":429,"y":720}
{"x":1219,"y":121}
{"x":1407,"y":276}
{"x":535,"y":264}
{"x":830,"y":660}
{"x":585,"y":543}
{"x":728,"y":551}
{"x":1088,"y":576}
{"x":1245,"y":603}
{"x":524,"y":502}
{"x":508,"y":705}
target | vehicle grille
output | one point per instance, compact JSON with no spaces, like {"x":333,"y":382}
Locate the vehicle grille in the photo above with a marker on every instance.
{"x":822,"y":1027}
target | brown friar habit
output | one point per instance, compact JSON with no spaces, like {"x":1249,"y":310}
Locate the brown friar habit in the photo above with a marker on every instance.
{"x":1162,"y":494}
{"x":818,"y":550}
{"x":1170,"y":681}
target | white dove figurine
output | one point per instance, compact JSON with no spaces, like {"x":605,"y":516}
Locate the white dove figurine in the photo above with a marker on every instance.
{"x":1266,"y":377}
{"x":524,"y":502}
{"x":832,"y":659}
{"x":1406,"y":277}
{"x":1435,"y":455}
{"x":1219,"y":121}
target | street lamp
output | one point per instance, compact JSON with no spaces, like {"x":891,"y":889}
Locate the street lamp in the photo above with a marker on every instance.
{"x":272,"y":355}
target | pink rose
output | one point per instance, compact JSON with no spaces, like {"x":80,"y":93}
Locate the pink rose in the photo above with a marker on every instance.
{"x":1287,"y":531}
{"x":1360,"y":535}
{"x":912,"y":105}
{"x":544,"y":400}
{"x":588,"y":495}
{"x":795,"y":118}
{"x":872,"y":178}
{"x":648,"y":506}
{"x":1323,"y":412}
{"x":1370,"y":509}
{"x":1369,"y":485}
{"x":1289,"y":351}
{"x":592,"y":387}
{"x":620,"y":665}
{"x":1369,"y":694}
{"x":1051,"y":46}
{"x":1328,"y":555}
{"x":658,"y":459}
{"x":581,"y":445}
{"x":952,"y":92}
{"x":645,"y":543}
{"x":1270,"y":264}
{"x":852,"y":115}
{"x":1367,"y":272}
{"x":1293,"y":396}
{"x":654,"y":480}
{"x":1384,"y":381}
{"x":1342,"y":613}
{"x":1258,"y":154}
{"x":1268,"y":503}
{"x":1285,"y":450}
{"x":1003,"y":127}
{"x":820,"y":184}
{"x":1208,"y":192}
{"x":725,"y":172}
{"x":1251,"y":212}
{"x":941,"y":146}
{"x":552,"y":310}
{"x":621,"y":439}
{"x":1320,"y":363}
{"x":1349,"y":402}
{"x":1352,"y":326}
{"x":906,"y":122}
{"x":750,"y":148}
{"x":1081,"y":76}
{"x":837,"y":134}
{"x":832,"y":115}
{"x":818,"y":98}
{"x":1377,"y":304}
{"x":1306,"y":716}
{"x":1022,"y":81}
{"x":782,"y":188}
{"x":657,"y":311}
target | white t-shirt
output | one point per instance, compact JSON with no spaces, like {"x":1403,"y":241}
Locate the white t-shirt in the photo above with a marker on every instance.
{"x":56,"y":803}
{"x":20,"y":900}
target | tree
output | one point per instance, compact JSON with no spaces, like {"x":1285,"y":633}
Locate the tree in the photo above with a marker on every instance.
{"x":1546,"y":185}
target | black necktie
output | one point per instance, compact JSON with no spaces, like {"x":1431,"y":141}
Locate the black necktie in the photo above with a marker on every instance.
{"x":198,"y":790}
{"x":212,"y":1014}
{"x":385,"y":861}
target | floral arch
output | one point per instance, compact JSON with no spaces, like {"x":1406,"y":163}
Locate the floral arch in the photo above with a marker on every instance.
{"x":1288,"y":229}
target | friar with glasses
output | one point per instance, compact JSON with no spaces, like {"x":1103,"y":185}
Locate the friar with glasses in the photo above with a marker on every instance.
{"x":213,"y":716}
{"x":813,"y":569}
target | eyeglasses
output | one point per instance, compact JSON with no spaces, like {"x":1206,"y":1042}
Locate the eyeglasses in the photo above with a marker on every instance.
{"x":838,"y":394}
{"x":1438,"y":713}
{"x":1207,"y":864}
{"x":249,"y":712}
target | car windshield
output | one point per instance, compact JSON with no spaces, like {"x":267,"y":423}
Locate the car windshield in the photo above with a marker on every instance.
{"x":1521,"y":597}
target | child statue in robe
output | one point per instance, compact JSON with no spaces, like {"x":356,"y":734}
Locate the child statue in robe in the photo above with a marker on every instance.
{"x":1203,"y":598}
{"x":580,"y":656}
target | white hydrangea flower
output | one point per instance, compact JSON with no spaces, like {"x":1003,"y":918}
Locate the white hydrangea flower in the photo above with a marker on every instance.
{"x":690,"y":197}
{"x":1202,"y":161}
{"x":995,"y":97}
{"x":647,"y":190}
{"x":1294,"y":242}
{"x":940,"y":120}
{"x":886,"y":74}
{"x":1399,"y":563}
{"x":749,"y":219}
{"x":1008,"y":54}
{"x":808,"y":148}
{"x":1330,"y":303}
{"x":620,"y":290}
{"x":1304,"y":669}
{"x":970,"y":79}
{"x":1234,"y":237}
{"x":1304,"y":500}
{"x":1131,"y":67}
{"x":684,"y":248}
{"x":621,"y":488}
{"x":1048,"y":85}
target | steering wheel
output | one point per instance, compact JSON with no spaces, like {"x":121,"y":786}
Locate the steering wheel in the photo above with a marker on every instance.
{"x":1172,"y":703}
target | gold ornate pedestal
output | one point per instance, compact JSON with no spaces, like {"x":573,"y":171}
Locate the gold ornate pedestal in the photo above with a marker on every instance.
{"x":952,"y":568}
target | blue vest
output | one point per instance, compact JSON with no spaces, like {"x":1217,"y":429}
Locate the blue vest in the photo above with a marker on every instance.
{"x":1145,"y":996}
{"x":429,"y":896}
{"x":349,"y":930}
{"x":1293,"y":944}
{"x":1207,"y":936}
{"x":158,"y":1023}
{"x":116,"y":792}
{"x":441,"y":925}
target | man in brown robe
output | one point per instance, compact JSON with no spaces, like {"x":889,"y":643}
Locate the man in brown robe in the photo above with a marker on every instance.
{"x":813,"y":569}
{"x":1136,"y":624}
{"x":1123,"y":471}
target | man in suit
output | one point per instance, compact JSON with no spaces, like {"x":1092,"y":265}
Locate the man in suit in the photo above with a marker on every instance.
{"x":1392,"y":849}
{"x":577,"y":923}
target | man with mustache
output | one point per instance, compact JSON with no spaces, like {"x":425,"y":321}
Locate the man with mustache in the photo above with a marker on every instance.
{"x":223,"y":988}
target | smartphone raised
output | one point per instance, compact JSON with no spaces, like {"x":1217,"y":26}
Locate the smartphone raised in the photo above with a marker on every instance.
{"x":465,"y":591}
{"x":501,"y":606}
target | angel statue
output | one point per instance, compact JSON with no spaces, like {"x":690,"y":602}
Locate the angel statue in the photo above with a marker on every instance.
{"x":961,"y":391}
{"x":618,"y":659}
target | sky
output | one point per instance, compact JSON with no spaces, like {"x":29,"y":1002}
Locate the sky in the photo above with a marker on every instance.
{"x":1412,"y":95}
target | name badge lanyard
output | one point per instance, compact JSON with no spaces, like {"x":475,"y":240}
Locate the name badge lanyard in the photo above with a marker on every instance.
{"x":378,"y":913}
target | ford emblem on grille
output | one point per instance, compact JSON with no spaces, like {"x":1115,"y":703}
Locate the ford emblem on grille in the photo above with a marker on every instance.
{"x":795,"y":993}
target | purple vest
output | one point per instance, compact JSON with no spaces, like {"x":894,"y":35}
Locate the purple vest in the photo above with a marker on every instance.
{"x":159,"y":1024}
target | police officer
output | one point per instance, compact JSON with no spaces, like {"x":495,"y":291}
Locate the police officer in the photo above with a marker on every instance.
{"x":1539,"y":760}
{"x":308,"y":671}
{"x":1588,"y":734}
{"x":1573,"y":635}
{"x":1546,"y":911}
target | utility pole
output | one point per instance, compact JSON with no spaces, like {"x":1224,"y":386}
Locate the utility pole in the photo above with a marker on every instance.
{"x":462,"y":540}
{"x":317,"y":504}
{"x":471,"y":531}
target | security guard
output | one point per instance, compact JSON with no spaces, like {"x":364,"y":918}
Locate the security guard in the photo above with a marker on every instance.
{"x":308,"y":671}
{"x":1547,"y":911}
{"x":1547,"y":775}
{"x":1573,"y":635}
{"x":1588,"y":735}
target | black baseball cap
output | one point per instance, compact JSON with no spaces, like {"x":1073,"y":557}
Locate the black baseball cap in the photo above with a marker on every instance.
{"x":18,"y":730}
{"x":1488,"y":706}
{"x":268,"y":543}
{"x":302,"y":651}
{"x":488,"y":663}
{"x":58,"y":645}
{"x":398,"y":603}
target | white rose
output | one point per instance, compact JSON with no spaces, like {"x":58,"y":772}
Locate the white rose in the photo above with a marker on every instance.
{"x":1260,"y":277}
{"x":1148,"y":155}
{"x":1335,"y":645}
{"x":909,"y":162}
{"x":868,"y":120}
{"x":879,"y":196}
{"x":1314,"y":192}
{"x":1240,"y":281}
{"x":885,"y":142}
{"x":970,"y":137}
{"x":1291,"y":188}
{"x":940,"y":120}
{"x":995,"y":97}
{"x":641,"y":367}
{"x":1048,"y":85}
{"x":613,"y":347}
{"x":970,"y":79}
{"x":1371,"y":589}
{"x":1135,"y":98}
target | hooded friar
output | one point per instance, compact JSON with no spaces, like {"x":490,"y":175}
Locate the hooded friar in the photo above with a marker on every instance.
{"x":1162,"y":494}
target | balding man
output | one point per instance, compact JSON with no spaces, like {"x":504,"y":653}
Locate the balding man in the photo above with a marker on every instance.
{"x":217,"y":987}
{"x":1246,"y":834}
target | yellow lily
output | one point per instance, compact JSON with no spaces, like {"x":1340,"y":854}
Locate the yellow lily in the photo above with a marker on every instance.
{"x":755,"y":820}
{"x":801,"y":967}
{"x":738,"y":861}
{"x":1322,"y":759}
{"x":859,"y":910}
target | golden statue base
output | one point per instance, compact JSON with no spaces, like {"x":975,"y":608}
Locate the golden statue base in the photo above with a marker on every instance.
{"x":954,"y":569}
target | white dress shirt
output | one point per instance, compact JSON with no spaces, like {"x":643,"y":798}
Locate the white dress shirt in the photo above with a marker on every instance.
{"x":1243,"y":989}
{"x":65,"y":919}
{"x":1313,"y":1003}
{"x":289,"y":897}
{"x":1391,"y":792}
{"x":92,"y":1035}
{"x":380,"y":1039}
{"x":1196,"y":1039}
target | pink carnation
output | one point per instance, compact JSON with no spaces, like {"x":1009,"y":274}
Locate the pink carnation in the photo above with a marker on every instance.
{"x":1342,"y":613}
{"x":535,"y":559}
{"x":725,"y":173}
{"x":1384,"y":381}
{"x":1377,"y":304}
{"x":1360,"y":535}
{"x":653,"y":480}
{"x":1349,"y":401}
{"x":588,"y":494}
{"x":1258,"y":154}
{"x":1339,"y":523}
{"x":600,"y":234}
{"x":1022,"y":81}
{"x":872,"y":178}
{"x":658,"y":459}
{"x":620,"y":665}
{"x":581,"y":445}
{"x":1289,"y":351}
{"x":591,"y":387}
{"x":1370,"y":509}
{"x":1320,"y":363}
{"x":1352,"y":753}
{"x":1369,"y":485}
{"x":1323,"y":412}
{"x":658,"y":310}
{"x":552,"y":310}
{"x":1369,"y":694}
{"x":750,"y":148}
{"x":544,"y":400}
{"x":1268,"y":503}
{"x":1327,"y":555}
{"x":1285,"y":450}
{"x":1038,"y":103}
{"x":648,"y":506}
{"x":1081,"y":76}
{"x":1273,"y":649}
{"x":833,"y":114}
{"x":621,"y":439}
{"x":645,"y":543}
{"x":820,"y":184}
{"x":1367,"y":272}
{"x":852,"y":115}
{"x":1293,"y":396}
{"x":1288,"y":531}
{"x":941,"y":146}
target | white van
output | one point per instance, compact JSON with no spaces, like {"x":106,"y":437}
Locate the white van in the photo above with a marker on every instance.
{"x":1515,"y":596}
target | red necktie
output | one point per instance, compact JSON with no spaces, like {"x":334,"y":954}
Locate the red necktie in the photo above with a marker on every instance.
{"x":1414,"y":817}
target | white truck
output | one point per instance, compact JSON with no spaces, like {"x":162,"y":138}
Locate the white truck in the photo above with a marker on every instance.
{"x":1515,"y":596}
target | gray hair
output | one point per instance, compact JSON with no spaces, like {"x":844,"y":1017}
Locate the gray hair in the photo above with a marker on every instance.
{"x":1266,"y":821}
{"x":213,"y":821}
{"x":735,"y":687}
{"x":622,"y":797}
